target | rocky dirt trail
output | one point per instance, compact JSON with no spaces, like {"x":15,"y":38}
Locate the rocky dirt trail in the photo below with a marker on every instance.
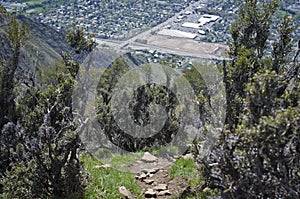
{"x":151,"y":174}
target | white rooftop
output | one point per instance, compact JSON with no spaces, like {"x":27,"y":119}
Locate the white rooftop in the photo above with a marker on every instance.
{"x":201,"y":32}
{"x":177,"y":33}
{"x":206,"y":18}
{"x":191,"y":25}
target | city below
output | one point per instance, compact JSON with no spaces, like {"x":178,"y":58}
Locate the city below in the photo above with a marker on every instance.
{"x":195,"y":28}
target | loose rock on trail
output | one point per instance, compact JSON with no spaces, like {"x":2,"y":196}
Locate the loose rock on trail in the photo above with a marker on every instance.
{"x":152,"y":175}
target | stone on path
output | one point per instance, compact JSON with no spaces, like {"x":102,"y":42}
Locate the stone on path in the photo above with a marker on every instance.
{"x":142,"y":176}
{"x":164,"y":193}
{"x":149,"y":181}
{"x":161,"y":187}
{"x":148,"y":157}
{"x":151,"y":171}
{"x":150,"y":193}
{"x":125,"y":192}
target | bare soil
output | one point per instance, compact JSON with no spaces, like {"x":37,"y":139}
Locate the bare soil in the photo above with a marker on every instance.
{"x":188,"y":46}
{"x":175,"y":186}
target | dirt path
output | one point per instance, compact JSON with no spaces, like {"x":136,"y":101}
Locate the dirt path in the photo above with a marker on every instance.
{"x":151,"y":174}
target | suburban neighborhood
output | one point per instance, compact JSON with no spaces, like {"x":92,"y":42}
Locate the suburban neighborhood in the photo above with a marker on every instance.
{"x":207,"y":21}
{"x":116,"y":20}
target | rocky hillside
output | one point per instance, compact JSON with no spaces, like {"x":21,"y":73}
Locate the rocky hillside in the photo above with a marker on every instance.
{"x":103,"y":57}
{"x":42,"y":48}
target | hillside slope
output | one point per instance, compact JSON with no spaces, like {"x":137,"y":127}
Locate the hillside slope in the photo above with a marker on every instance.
{"x":42,"y":48}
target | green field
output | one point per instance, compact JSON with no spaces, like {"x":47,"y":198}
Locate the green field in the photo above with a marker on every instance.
{"x":32,"y":1}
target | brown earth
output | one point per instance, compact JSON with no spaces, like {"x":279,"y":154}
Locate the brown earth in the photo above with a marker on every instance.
{"x":187,"y":47}
{"x":160,"y":177}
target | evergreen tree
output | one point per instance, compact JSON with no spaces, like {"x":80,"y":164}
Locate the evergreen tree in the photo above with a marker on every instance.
{"x":17,"y":35}
{"x":257,"y":155}
{"x":40,"y":145}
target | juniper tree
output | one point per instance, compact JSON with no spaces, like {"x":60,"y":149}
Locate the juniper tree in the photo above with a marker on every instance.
{"x":257,"y":154}
{"x":40,"y":145}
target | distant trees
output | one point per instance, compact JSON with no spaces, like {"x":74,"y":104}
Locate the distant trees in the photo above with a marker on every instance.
{"x":257,"y":155}
{"x":39,"y":140}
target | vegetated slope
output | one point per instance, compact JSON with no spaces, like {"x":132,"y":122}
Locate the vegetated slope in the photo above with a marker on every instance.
{"x":103,"y":57}
{"x":43,"y":47}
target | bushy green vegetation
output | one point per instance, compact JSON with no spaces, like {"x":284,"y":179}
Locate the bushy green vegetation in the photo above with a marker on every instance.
{"x":39,"y":140}
{"x":256,"y":156}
